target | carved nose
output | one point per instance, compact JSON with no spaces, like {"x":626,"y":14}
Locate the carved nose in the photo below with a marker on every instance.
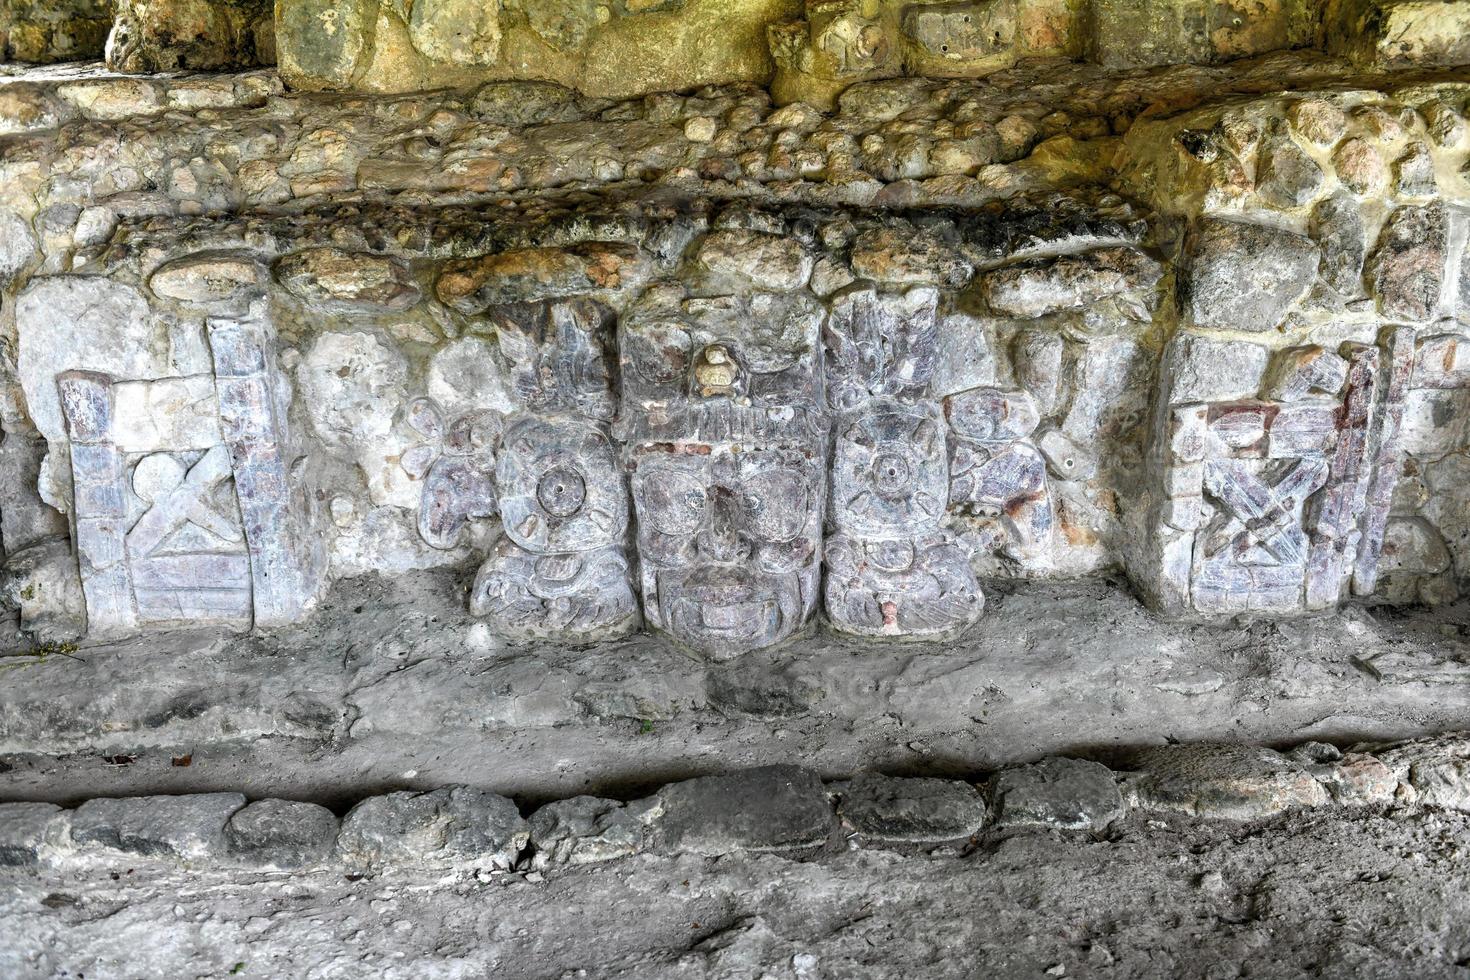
{"x":722,"y":540}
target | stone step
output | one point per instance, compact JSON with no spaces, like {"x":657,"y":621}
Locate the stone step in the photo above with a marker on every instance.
{"x":395,"y":685}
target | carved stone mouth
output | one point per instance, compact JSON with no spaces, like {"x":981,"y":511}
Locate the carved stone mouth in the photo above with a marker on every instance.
{"x":725,"y":611}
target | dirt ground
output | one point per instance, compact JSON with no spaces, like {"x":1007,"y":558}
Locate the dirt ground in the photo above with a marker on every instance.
{"x":1324,"y":894}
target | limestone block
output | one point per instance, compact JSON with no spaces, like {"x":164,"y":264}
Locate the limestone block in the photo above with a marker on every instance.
{"x":1398,"y":33}
{"x":1200,"y":369}
{"x":281,"y":835}
{"x":1337,"y":227}
{"x":918,"y":256}
{"x":1437,"y":768}
{"x":1411,"y":544}
{"x":187,"y":828}
{"x":339,"y":279}
{"x":81,"y":323}
{"x":600,"y":269}
{"x":17,"y":245}
{"x":604,"y":50}
{"x":222,"y":280}
{"x":1360,"y":166}
{"x":769,"y":809}
{"x":41,"y":580}
{"x":1297,"y":372}
{"x":457,"y":827}
{"x":1138,"y":33}
{"x":320,"y":43}
{"x":1239,"y":275}
{"x":1414,"y":172}
{"x":457,"y":32}
{"x":1224,"y":781}
{"x":26,"y":829}
{"x":1408,"y":268}
{"x":1286,"y":176}
{"x":24,"y":518}
{"x":970,"y":38}
{"x":1042,"y":287}
{"x":882,"y":809}
{"x":740,"y":258}
{"x":199,"y":35}
{"x":587,"y":830}
{"x":1069,"y":794}
{"x":46,"y":31}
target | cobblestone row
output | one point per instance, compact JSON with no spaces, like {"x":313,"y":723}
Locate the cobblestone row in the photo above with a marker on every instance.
{"x":779,"y":809}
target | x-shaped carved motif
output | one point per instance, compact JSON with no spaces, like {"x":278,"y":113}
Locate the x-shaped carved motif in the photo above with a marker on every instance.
{"x":1261,"y":509}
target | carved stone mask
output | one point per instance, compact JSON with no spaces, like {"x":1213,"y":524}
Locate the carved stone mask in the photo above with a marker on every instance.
{"x":730,"y":545}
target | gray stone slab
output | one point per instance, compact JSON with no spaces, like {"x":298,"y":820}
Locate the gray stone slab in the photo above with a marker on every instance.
{"x":893,"y":810}
{"x":184,"y":827}
{"x":25,"y":828}
{"x":281,"y":834}
{"x":455,"y":826}
{"x":770,"y":808}
{"x":1069,"y":794}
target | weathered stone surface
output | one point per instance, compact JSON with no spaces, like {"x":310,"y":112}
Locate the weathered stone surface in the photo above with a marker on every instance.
{"x":1337,"y":227}
{"x":1223,"y":781}
{"x":1201,"y":369}
{"x":17,"y":246}
{"x":458,"y":32}
{"x":883,"y":809}
{"x":228,"y":279}
{"x":1360,"y":166}
{"x":1241,"y":275}
{"x":458,"y":827}
{"x":1287,"y":177}
{"x":586,"y":830}
{"x":1070,"y":794}
{"x":1414,"y":172}
{"x":200,"y":35}
{"x":81,"y":323}
{"x":41,"y":581}
{"x":965,"y":38}
{"x":353,"y":279}
{"x":1071,"y":282}
{"x":753,"y":258}
{"x":902,"y":255}
{"x":187,"y":828}
{"x":1437,"y":768}
{"x":320,"y":43}
{"x":529,"y":275}
{"x":604,"y":50}
{"x":1396,"y":34}
{"x":773,"y":808}
{"x":25,"y":829}
{"x":281,"y":834}
{"x":47,"y":31}
{"x":1408,"y":268}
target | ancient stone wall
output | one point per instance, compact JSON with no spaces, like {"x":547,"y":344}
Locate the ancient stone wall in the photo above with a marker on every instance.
{"x":723,"y":369}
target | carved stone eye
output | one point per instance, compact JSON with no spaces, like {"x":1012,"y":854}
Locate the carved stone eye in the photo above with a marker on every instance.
{"x":562,"y":491}
{"x":781,"y":497}
{"x":675,"y":502}
{"x":892,"y":475}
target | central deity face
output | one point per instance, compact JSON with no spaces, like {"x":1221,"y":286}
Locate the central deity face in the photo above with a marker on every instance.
{"x":730,"y":544}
